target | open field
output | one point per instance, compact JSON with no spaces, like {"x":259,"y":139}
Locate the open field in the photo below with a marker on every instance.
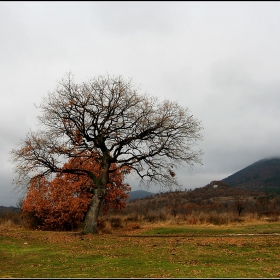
{"x":191,"y":251}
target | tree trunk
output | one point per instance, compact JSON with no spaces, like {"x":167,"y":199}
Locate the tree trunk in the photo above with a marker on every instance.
{"x":93,"y":212}
{"x":99,"y":194}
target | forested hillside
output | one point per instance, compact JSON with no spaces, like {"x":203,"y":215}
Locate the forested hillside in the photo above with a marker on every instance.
{"x":215,"y":203}
{"x":263,"y":175}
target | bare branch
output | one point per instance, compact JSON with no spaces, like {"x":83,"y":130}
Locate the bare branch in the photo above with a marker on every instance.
{"x":107,"y":115}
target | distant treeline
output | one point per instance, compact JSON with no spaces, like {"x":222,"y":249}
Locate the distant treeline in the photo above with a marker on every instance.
{"x":4,"y":209}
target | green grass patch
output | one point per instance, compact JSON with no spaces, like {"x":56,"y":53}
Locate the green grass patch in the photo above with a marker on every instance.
{"x":267,"y":228}
{"x":197,"y":254}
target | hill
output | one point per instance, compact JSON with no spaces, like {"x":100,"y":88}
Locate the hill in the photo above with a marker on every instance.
{"x":4,"y":209}
{"x":139,"y":194}
{"x":263,"y":175}
{"x":215,"y":203}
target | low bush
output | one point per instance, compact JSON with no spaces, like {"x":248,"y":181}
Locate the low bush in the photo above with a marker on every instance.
{"x":10,"y":219}
{"x":116,"y":223}
{"x":132,"y":226}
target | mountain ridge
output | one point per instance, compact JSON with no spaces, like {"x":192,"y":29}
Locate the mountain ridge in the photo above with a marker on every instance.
{"x":139,"y":194}
{"x":262,"y":175}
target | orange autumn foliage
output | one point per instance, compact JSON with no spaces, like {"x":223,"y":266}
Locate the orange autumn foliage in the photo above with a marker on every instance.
{"x":61,"y":204}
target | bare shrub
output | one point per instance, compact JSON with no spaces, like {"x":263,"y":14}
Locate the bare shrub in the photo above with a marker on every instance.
{"x":100,"y":224}
{"x":133,"y":226}
{"x":218,"y":218}
{"x":162,"y":216}
{"x":151,"y":218}
{"x":211,"y":217}
{"x":10,"y":219}
{"x":274,"y":219}
{"x":192,"y":221}
{"x":30,"y":221}
{"x":7,"y":224}
{"x":116,"y":223}
{"x":272,"y":216}
{"x":106,"y":227}
{"x":133,"y":218}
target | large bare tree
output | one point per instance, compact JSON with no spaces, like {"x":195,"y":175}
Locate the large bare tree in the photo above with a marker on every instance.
{"x":107,"y":115}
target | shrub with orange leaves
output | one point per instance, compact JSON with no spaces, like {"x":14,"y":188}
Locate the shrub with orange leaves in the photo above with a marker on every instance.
{"x":61,"y":203}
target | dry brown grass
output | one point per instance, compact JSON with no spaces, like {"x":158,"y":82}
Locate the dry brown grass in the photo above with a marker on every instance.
{"x":10,"y":220}
{"x":126,"y":223}
{"x":7,"y":224}
{"x":136,"y":222}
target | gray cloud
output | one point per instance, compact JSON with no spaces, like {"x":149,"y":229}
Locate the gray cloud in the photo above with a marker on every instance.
{"x":219,"y":59}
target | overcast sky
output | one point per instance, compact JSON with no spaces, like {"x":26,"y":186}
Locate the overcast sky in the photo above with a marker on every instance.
{"x":219,"y":59}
